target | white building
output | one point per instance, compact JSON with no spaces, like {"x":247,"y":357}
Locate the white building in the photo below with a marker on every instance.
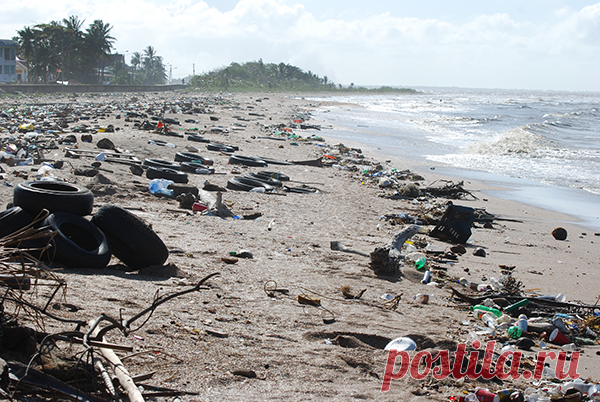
{"x":8,"y":63}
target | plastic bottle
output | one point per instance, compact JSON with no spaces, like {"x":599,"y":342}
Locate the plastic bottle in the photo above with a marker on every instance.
{"x":515,"y":332}
{"x":492,"y":310}
{"x":522,"y":323}
{"x":45,"y":170}
{"x":410,"y":248}
{"x":490,"y":303}
{"x":517,"y":305}
{"x":426,"y":277}
{"x":160,"y":186}
{"x":547,"y":372}
{"x":495,"y":284}
{"x":203,"y":171}
{"x":489,"y":320}
{"x":483,"y":287}
{"x":413,"y":257}
{"x":471,"y":398}
{"x":420,"y":263}
{"x":28,"y":161}
{"x":465,"y":282}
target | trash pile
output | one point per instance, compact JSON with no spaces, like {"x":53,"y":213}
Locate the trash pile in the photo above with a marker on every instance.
{"x":530,"y":323}
{"x":500,"y":310}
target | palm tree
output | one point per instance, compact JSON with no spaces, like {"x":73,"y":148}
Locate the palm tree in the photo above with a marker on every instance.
{"x":26,"y":41}
{"x":154,"y":69}
{"x":98,"y":43}
{"x":41,"y":48}
{"x":73,"y":24}
{"x":72,"y":42}
{"x":136,"y":61}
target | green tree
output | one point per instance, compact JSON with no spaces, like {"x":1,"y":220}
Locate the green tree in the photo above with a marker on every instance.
{"x":72,"y":62}
{"x":40,"y":46}
{"x":152,"y":67}
{"x":26,"y":40}
{"x":97,"y":44}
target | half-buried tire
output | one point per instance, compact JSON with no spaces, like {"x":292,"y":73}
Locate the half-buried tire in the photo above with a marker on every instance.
{"x":77,"y":243}
{"x":159,"y":163}
{"x":131,"y":240}
{"x":169,"y":174}
{"x":246,"y":184}
{"x":246,"y":160}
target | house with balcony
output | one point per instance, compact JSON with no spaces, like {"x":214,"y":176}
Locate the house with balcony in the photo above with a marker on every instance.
{"x":8,"y":60}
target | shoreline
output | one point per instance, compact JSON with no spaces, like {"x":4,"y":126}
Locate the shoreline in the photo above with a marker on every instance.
{"x":329,"y":352}
{"x":551,"y":197}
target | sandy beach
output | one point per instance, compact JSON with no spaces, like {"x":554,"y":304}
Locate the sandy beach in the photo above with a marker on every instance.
{"x":211,"y":342}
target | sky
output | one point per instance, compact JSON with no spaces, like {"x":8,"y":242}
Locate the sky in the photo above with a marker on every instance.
{"x":509,"y":44}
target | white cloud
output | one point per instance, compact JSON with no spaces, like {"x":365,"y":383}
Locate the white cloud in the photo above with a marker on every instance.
{"x":490,"y":50}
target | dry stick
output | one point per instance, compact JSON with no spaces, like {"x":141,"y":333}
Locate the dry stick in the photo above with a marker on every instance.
{"x":126,"y":324}
{"x":78,"y":340}
{"x":36,"y":308}
{"x":121,"y":372}
{"x":107,"y":380}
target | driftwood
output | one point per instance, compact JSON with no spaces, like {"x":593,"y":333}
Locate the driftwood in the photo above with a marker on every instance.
{"x":120,"y":371}
{"x":450,"y":190}
{"x":337,"y":246}
{"x":386,"y":260}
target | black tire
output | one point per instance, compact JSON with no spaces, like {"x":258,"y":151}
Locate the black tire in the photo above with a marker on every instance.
{"x":197,"y":138}
{"x":169,"y":120}
{"x":169,"y":174}
{"x":159,"y":163}
{"x":77,"y":243}
{"x":299,"y":190}
{"x":131,"y":240}
{"x":191,"y":167}
{"x":246,"y":184}
{"x":272,"y":161}
{"x":187,"y":157}
{"x":55,"y":196}
{"x":274,"y":175}
{"x":246,"y":160}
{"x":191,"y":157}
{"x":268,"y":180}
{"x":219,"y":147}
{"x":13,"y":219}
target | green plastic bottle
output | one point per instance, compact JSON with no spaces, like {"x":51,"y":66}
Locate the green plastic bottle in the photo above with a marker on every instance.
{"x":420,"y":263}
{"x":514,"y":306}
{"x":494,"y":311}
{"x":515,"y":332}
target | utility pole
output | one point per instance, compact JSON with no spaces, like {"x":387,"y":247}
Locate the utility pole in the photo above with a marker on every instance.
{"x":193,"y":69}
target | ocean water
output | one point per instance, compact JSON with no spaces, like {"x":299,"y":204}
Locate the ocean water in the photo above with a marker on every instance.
{"x":542,"y":146}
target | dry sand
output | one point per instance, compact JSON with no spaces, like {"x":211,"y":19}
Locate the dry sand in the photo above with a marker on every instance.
{"x":197,"y":341}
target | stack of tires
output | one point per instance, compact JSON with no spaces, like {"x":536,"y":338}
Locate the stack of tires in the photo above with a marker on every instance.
{"x":77,"y":241}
